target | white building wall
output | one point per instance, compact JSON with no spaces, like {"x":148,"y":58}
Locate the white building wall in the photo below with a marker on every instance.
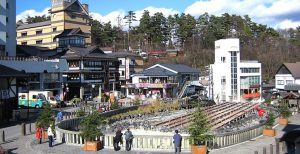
{"x":8,"y":26}
{"x":221,"y":69}
{"x":284,"y":78}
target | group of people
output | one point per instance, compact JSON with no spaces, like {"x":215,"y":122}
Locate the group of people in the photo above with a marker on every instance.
{"x":38,"y":131}
{"x":118,"y":139}
{"x":38,"y":135}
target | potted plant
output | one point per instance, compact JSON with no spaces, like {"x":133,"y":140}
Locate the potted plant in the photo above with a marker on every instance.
{"x":80,"y":112}
{"x":46,"y":118}
{"x":199,"y":132}
{"x":284,"y":114}
{"x":269,"y":131}
{"x":90,"y":131}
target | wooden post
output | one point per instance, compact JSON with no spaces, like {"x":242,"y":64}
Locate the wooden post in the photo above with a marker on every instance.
{"x":30,"y":128}
{"x":264,"y":150}
{"x":277,"y":146}
{"x":271,"y":148}
{"x":2,"y":137}
{"x":23,"y":129}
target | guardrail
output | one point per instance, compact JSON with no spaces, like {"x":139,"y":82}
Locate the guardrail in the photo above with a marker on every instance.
{"x":65,"y":134}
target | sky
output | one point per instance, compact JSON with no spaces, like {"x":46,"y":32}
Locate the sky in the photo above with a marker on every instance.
{"x":274,"y":13}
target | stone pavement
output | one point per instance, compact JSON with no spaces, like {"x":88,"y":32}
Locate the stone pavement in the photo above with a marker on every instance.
{"x":260,"y":142}
{"x":28,"y":145}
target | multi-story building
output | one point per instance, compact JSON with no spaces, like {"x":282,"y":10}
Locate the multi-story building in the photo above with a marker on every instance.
{"x":231,"y":79}
{"x":288,"y":77}
{"x":162,"y":80}
{"x":90,"y":70}
{"x":65,"y":14}
{"x":7,"y":28}
{"x":32,"y":74}
{"x":129,"y":63}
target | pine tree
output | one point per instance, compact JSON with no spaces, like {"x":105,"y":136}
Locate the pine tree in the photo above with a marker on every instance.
{"x":199,"y":130}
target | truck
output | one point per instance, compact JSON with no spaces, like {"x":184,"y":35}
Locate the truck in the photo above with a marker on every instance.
{"x":37,"y":99}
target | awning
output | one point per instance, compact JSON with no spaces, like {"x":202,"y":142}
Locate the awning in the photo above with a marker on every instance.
{"x":9,"y":72}
{"x":292,"y":87}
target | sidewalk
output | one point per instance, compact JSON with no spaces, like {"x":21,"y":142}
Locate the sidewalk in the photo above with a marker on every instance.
{"x":260,"y":142}
{"x":28,"y":145}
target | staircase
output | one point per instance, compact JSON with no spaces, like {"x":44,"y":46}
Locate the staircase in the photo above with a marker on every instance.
{"x":183,"y":89}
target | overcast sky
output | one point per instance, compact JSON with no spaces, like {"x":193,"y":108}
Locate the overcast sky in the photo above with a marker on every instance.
{"x":274,"y":13}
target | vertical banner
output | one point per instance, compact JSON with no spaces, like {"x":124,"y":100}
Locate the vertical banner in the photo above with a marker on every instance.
{"x":127,"y":72}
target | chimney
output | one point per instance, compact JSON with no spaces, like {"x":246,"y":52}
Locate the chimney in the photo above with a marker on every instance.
{"x":86,"y":7}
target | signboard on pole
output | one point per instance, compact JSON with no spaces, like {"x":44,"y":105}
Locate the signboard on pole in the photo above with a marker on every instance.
{"x":127,"y":72}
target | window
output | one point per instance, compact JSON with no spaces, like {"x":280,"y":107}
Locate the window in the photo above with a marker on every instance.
{"x":39,"y":32}
{"x":34,"y":96}
{"x":24,"y":34}
{"x":123,"y":73}
{"x":223,"y":80}
{"x":223,"y":59}
{"x":24,"y":43}
{"x":280,"y":82}
{"x":7,"y":5}
{"x":39,"y":41}
{"x":289,"y":81}
{"x":54,"y":29}
{"x":6,"y":19}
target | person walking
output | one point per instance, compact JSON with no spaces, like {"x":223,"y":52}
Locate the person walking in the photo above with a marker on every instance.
{"x":50,"y":135}
{"x":128,"y":137}
{"x":177,"y":138}
{"x":118,"y":139}
{"x":38,"y":134}
{"x":59,"y":116}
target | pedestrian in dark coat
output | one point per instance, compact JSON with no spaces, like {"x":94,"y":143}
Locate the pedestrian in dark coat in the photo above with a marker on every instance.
{"x":177,"y":142}
{"x":118,"y":139}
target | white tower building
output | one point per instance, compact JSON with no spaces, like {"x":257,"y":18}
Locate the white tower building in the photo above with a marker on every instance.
{"x":233,"y":80}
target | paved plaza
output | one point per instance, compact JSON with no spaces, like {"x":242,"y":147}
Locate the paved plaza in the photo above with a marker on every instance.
{"x":28,"y":144}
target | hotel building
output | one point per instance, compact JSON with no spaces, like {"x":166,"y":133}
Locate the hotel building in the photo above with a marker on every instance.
{"x":65,"y":14}
{"x":231,"y":79}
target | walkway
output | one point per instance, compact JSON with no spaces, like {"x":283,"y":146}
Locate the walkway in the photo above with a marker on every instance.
{"x":260,"y":142}
{"x":27,"y":145}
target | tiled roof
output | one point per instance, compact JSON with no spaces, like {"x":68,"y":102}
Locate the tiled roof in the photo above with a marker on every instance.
{"x":294,"y":68}
{"x":124,"y":54}
{"x":86,"y":52}
{"x":180,"y":68}
{"x":9,"y":72}
{"x":38,"y":24}
{"x":157,"y":71}
{"x":71,"y":32}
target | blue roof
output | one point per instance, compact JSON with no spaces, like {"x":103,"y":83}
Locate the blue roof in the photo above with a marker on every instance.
{"x":157,"y":71}
{"x":180,"y":68}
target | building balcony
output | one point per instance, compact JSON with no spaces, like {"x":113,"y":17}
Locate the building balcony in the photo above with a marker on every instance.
{"x":250,"y":96}
{"x":155,"y":85}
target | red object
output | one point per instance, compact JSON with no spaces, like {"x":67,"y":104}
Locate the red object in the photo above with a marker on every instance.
{"x":261,"y":113}
{"x":38,"y":133}
{"x":253,"y":95}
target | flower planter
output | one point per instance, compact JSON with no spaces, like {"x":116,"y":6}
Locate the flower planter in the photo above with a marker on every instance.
{"x":283,"y":121}
{"x":199,"y":149}
{"x":44,"y":134}
{"x":269,"y":132}
{"x":92,"y":146}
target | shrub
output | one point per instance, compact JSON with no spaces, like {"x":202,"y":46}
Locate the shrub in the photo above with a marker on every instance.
{"x":90,"y":124}
{"x":284,"y":111}
{"x":46,"y":118}
{"x":270,"y":121}
{"x":80,"y":112}
{"x":199,"y":130}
